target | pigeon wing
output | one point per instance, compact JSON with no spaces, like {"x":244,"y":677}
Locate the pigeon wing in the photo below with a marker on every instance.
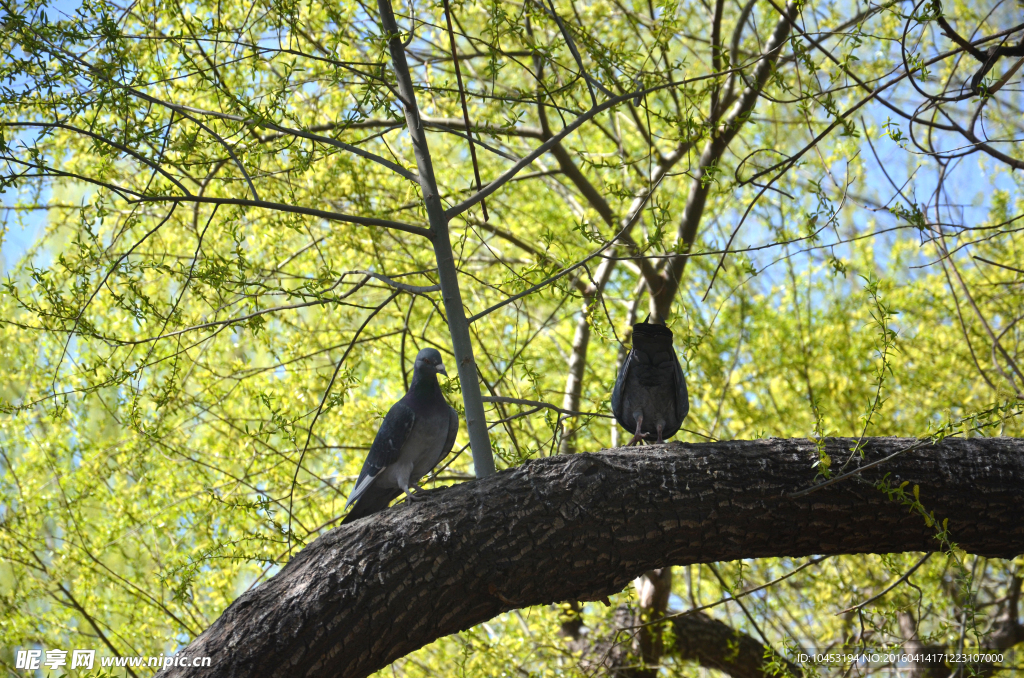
{"x":372,"y":500}
{"x":620,"y":385}
{"x":449,"y":442}
{"x":386,"y":447}
{"x":453,"y":430}
{"x":682,"y":397}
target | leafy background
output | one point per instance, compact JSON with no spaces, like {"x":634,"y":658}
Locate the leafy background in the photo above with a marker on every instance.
{"x":163,"y":360}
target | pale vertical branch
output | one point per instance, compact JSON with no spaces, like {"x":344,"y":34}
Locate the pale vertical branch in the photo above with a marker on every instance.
{"x":578,"y":356}
{"x":716,"y":58}
{"x":458,"y":325}
{"x":653,"y":589}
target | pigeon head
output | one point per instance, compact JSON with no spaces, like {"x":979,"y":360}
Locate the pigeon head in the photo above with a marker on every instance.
{"x":428,"y":361}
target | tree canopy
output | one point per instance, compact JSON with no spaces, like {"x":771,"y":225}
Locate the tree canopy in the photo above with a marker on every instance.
{"x":229,"y":228}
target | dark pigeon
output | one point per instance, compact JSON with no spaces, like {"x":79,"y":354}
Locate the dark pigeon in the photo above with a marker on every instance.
{"x":417,"y":433}
{"x":650,"y":392}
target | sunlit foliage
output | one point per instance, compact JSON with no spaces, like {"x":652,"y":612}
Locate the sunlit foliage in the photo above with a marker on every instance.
{"x":186,"y":241}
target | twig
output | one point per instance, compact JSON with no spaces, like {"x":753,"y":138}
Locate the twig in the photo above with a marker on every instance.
{"x":888,"y":588}
{"x":405,"y":287}
{"x":1008,"y":268}
{"x":282,"y":207}
{"x":865,"y":467}
{"x":741,"y":594}
{"x":539,"y":404}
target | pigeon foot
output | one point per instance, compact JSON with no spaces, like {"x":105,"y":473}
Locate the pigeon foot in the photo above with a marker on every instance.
{"x":409,"y":496}
{"x":638,"y":435}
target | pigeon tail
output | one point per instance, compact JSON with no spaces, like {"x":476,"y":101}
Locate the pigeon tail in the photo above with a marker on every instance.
{"x":374,"y":499}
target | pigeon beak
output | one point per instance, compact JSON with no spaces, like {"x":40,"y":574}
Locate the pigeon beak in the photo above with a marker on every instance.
{"x":441,"y":370}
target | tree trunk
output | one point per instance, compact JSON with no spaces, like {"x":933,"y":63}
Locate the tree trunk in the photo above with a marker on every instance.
{"x":662,"y":295}
{"x":717,"y":645}
{"x":581,"y":527}
{"x":912,"y":645}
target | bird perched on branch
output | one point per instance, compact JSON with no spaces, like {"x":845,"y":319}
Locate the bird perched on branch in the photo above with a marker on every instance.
{"x":650,"y":392}
{"x":416,"y":434}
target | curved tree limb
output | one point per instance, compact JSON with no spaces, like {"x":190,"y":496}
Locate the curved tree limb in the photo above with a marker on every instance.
{"x":715,"y":644}
{"x":365,"y":594}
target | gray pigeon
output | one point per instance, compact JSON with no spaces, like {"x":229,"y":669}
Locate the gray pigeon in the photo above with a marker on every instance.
{"x":417,"y":433}
{"x":650,"y":392}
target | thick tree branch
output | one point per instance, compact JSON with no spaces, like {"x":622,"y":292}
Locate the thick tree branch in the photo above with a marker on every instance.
{"x":664,"y":293}
{"x":709,"y":642}
{"x":717,"y":645}
{"x":581,"y":527}
{"x":988,"y":58}
{"x":596,"y":198}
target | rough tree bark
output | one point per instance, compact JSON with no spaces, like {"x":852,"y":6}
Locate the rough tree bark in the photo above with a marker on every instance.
{"x":581,"y":527}
{"x":717,"y":645}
